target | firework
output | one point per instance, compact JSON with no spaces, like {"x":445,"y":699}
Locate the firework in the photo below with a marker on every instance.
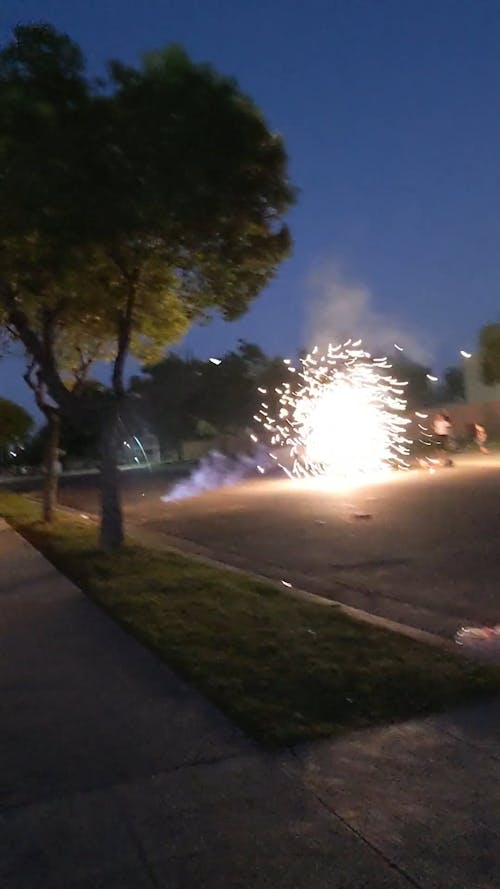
{"x":340,"y":415}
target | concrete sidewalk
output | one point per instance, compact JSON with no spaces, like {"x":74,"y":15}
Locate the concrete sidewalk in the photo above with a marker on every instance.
{"x":114,"y":773}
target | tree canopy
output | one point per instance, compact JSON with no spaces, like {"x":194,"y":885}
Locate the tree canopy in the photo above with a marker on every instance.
{"x":130,"y":208}
{"x":178,"y":396}
{"x":489,"y":350}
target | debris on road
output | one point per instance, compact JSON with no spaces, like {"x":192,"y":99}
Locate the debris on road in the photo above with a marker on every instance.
{"x":482,"y":641}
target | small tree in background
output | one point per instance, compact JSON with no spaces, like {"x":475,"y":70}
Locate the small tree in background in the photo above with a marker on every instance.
{"x":15,"y":424}
{"x":419,"y":391}
{"x":489,"y":346}
{"x":454,"y":384}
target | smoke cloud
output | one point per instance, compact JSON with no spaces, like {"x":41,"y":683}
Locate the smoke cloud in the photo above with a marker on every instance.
{"x":216,"y":470}
{"x":340,"y":309}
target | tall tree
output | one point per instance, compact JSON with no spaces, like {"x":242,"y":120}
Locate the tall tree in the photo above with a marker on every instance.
{"x":169,"y":393}
{"x":228,"y":394}
{"x":177,"y":395}
{"x":138,"y":207}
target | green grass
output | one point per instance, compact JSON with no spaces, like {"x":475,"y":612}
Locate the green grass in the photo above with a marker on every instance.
{"x":284,"y":670}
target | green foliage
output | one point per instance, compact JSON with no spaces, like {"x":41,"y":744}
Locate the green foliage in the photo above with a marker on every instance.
{"x":229,"y":395}
{"x":489,"y":345}
{"x":167,"y":395}
{"x":419,"y":391}
{"x":76,"y":443}
{"x":150,"y":203}
{"x":15,"y":422}
{"x":180,"y":397}
{"x":127,"y":211}
{"x":454,"y":384}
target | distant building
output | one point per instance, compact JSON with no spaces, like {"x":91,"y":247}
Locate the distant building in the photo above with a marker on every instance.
{"x":481,"y":405}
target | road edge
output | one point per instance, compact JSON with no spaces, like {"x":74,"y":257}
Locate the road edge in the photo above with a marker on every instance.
{"x":165,"y":542}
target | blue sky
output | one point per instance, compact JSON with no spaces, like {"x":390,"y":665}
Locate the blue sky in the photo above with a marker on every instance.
{"x":389,"y":114}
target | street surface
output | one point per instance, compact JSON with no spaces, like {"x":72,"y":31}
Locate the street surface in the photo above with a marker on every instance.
{"x":418,"y":548}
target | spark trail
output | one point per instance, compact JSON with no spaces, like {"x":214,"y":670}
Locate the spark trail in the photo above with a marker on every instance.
{"x":341,"y":416}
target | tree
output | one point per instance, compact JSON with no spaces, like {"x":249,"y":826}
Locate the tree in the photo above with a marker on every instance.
{"x":15,"y":423}
{"x":179,"y":395}
{"x":75,"y":443}
{"x":78,"y":359}
{"x":454,"y":384}
{"x":489,"y":346}
{"x":418,"y":392}
{"x":138,"y":208}
{"x":76,"y":353}
{"x":228,"y":395}
{"x":169,"y":393}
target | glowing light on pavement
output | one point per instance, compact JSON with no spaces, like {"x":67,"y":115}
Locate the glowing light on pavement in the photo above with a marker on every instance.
{"x":342,"y":418}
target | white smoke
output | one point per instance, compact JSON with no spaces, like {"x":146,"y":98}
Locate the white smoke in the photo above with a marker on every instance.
{"x":340,"y":309}
{"x":216,"y":470}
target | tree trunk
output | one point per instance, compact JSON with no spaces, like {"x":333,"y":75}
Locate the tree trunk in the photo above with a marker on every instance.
{"x":50,"y":487}
{"x":111,"y":531}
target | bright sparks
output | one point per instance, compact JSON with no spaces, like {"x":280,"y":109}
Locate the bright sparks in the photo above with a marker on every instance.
{"x":341,"y":417}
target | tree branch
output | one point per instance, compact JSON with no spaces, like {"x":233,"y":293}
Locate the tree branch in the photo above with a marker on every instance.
{"x":40,"y":348}
{"x":80,"y":373}
{"x":35,"y":383}
{"x":124,"y":334}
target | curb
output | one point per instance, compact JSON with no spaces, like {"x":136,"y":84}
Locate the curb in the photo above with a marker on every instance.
{"x":168,"y":543}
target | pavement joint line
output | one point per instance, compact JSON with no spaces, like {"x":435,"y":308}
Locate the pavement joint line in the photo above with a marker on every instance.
{"x":139,"y":846}
{"x":113,"y":786}
{"x":358,"y":614}
{"x":374,"y":848}
{"x":477,"y":748}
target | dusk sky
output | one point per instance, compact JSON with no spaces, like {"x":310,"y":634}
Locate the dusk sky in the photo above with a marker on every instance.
{"x":389,"y":111}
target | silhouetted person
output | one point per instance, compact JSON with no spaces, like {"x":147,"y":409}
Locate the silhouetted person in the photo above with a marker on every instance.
{"x":481,"y":438}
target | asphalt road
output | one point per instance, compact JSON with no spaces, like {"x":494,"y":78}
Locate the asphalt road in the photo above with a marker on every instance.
{"x":419,"y":548}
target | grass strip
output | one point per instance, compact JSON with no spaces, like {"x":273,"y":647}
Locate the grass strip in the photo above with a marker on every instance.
{"x":286,"y":671}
